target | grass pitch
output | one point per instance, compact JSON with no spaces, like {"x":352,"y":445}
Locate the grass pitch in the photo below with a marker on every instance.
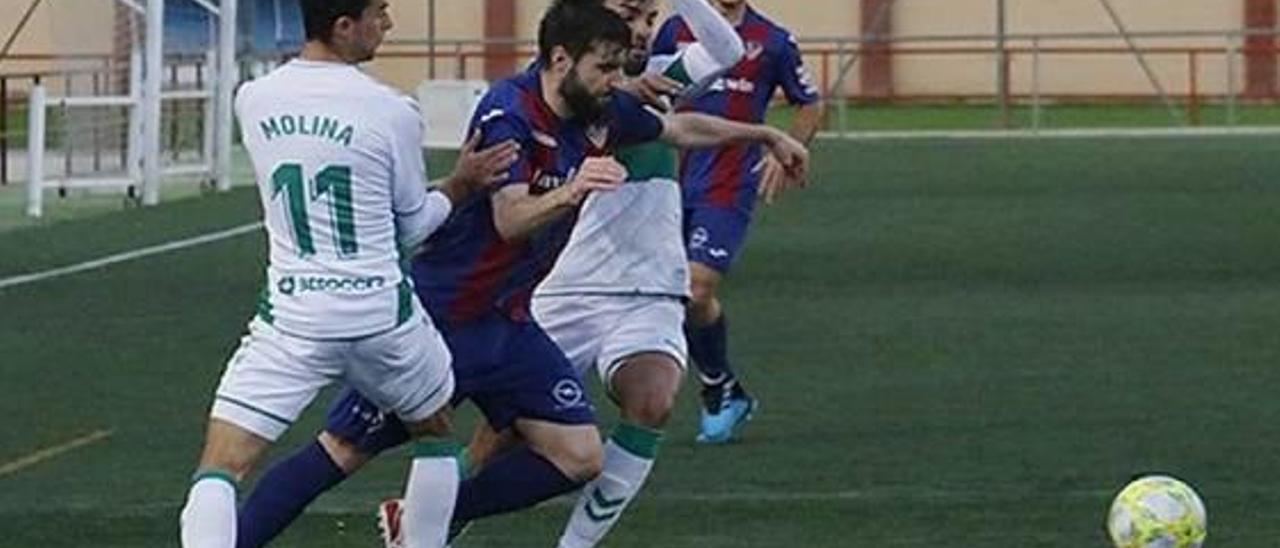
{"x":956,"y":343}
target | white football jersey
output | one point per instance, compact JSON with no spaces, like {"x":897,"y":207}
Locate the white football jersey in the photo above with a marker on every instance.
{"x":343,"y":187}
{"x":629,"y":241}
{"x":626,"y":242}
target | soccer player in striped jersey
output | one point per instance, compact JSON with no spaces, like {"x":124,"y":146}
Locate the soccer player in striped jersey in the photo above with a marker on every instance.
{"x":343,"y":190}
{"x":722,"y":186}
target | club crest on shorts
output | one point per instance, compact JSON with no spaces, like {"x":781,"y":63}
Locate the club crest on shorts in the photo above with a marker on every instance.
{"x":568,"y":393}
{"x":698,"y":238}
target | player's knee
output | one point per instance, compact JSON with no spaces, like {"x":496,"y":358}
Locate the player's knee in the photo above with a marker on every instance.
{"x":580,"y":462}
{"x":346,"y":455}
{"x":231,"y":449}
{"x":651,"y":409}
{"x":646,"y":387}
{"x":238,"y":466}
{"x":702,"y":292}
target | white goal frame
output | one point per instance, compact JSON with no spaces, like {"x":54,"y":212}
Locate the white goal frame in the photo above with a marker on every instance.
{"x":144,"y":104}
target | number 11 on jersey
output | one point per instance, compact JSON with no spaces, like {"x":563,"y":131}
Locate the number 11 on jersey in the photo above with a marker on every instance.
{"x":289,"y":183}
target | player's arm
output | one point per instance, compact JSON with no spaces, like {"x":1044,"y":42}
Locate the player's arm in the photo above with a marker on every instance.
{"x":675,"y":71}
{"x":807,"y":121}
{"x":419,"y":211}
{"x":797,"y":85}
{"x":718,"y":45}
{"x":517,"y":213}
{"x":693,"y":130}
{"x":478,"y":169}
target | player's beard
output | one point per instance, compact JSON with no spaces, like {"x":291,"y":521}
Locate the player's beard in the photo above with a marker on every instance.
{"x":584,"y":105}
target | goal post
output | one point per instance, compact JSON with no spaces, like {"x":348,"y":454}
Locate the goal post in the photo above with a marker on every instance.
{"x":166,"y":108}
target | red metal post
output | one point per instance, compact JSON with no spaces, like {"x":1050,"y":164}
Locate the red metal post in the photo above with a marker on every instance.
{"x":1006,"y":88}
{"x":826,"y":71}
{"x":876,"y":62}
{"x":500,"y":25}
{"x":1193,"y":89}
{"x":4,"y":130}
{"x":1260,"y":51}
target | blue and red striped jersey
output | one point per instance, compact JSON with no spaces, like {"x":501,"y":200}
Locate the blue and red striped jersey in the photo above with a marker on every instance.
{"x":729,"y":176}
{"x":466,"y":269}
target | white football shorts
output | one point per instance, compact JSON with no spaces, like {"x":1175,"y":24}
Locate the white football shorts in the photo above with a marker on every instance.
{"x":602,"y":331}
{"x":274,"y":376}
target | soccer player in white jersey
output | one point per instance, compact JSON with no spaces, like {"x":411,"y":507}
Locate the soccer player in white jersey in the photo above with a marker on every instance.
{"x":615,"y":300}
{"x":341,"y":177}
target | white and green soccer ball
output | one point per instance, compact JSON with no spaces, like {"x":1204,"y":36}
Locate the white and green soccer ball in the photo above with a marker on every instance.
{"x":1157,"y":512}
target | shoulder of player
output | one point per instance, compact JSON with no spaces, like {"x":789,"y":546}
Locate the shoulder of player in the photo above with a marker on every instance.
{"x":506,"y":100}
{"x":623,"y":101}
{"x":383,"y":102}
{"x":778,"y":35}
{"x":245,"y":93}
{"x":674,"y":23}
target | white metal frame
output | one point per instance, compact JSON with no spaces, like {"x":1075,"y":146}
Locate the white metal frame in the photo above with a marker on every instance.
{"x":145,"y":101}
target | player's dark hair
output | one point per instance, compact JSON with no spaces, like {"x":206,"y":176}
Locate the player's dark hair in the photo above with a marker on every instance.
{"x":318,"y":16}
{"x":577,"y":26}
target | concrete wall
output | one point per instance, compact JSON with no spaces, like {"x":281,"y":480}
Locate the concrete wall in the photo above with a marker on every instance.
{"x":58,"y":27}
{"x":464,"y":20}
{"x":931,"y":74}
{"x":1062,"y":73}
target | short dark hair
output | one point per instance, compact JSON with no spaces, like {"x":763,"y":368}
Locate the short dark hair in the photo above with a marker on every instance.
{"x":318,"y":16}
{"x":577,"y":26}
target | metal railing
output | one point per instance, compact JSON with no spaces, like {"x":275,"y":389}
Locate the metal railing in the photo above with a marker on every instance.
{"x":836,"y":58}
{"x":95,"y":76}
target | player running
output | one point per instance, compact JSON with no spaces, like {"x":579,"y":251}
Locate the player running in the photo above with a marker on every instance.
{"x":479,"y":271}
{"x":721,"y":187}
{"x":615,"y":301}
{"x":342,"y":184}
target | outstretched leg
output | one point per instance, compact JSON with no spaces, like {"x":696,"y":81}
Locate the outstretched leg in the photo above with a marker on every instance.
{"x":645,"y":387}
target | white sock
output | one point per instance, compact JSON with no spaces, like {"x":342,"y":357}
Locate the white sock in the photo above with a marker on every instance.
{"x":628,"y":458}
{"x":209,"y":518}
{"x":430,"y":495}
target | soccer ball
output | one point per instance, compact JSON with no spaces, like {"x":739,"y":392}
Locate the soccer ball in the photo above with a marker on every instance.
{"x":1157,"y":512}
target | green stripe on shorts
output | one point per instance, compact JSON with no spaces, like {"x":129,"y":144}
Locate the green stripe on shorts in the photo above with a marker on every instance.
{"x":255,"y":409}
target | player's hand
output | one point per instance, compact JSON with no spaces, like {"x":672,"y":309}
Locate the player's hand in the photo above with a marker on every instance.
{"x":601,"y":173}
{"x":482,"y":168}
{"x":773,"y":180}
{"x":652,"y":89}
{"x":786,"y":167}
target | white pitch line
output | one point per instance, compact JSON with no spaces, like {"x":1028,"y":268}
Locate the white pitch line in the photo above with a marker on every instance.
{"x":136,"y":254}
{"x":873,"y":495}
{"x":1026,"y":134}
{"x":51,"y":452}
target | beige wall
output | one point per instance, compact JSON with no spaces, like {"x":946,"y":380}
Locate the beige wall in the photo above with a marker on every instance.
{"x":464,"y":19}
{"x":88,"y":21}
{"x":1064,"y":73}
{"x":455,"y":20}
{"x":57,"y":27}
{"x":60,"y":27}
{"x":931,"y":74}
